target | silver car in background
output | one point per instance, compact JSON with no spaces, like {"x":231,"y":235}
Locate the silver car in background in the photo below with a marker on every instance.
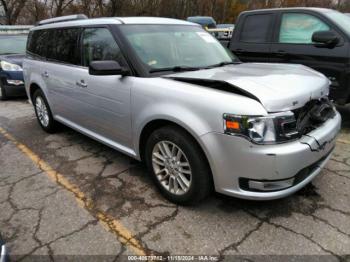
{"x":166,"y":92}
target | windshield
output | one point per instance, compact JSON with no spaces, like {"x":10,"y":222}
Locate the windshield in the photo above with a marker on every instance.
{"x":342,"y":20}
{"x":13,"y":44}
{"x":169,"y":46}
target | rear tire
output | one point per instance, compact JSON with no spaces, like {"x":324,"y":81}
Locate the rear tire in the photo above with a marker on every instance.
{"x":178,"y":166}
{"x":43,"y":112}
{"x":3,"y":95}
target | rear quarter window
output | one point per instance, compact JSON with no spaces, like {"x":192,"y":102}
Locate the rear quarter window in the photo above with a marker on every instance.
{"x":37,"y":42}
{"x":256,"y":28}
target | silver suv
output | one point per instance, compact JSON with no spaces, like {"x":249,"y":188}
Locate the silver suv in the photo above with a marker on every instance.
{"x":166,"y":92}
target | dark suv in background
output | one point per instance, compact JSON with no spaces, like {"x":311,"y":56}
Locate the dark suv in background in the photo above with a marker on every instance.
{"x":13,"y":40}
{"x":315,"y":37}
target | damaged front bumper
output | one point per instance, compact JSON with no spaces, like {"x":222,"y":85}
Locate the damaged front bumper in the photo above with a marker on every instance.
{"x":266,"y":172}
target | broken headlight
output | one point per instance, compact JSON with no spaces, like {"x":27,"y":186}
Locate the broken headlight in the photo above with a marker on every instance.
{"x":275,"y":128}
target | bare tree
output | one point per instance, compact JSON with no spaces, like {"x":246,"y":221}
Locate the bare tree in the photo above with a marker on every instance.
{"x":223,"y":11}
{"x":59,"y":6}
{"x":35,"y":11}
{"x":12,"y":10}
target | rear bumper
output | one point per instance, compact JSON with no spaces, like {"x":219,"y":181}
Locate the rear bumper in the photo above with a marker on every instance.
{"x":234,"y":158}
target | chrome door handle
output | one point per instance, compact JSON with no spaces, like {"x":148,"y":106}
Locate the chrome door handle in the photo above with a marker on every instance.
{"x":82,"y":84}
{"x":45,"y":74}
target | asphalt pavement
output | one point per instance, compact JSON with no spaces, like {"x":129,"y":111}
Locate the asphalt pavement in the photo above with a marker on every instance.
{"x":65,"y":197}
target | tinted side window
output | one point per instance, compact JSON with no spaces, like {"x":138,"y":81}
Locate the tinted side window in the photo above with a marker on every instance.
{"x":299,"y":28}
{"x":256,"y":28}
{"x":99,"y":45}
{"x":30,"y":45}
{"x":37,"y":43}
{"x":63,"y":45}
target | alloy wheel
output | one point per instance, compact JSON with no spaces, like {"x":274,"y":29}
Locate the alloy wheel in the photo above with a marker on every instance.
{"x":42,"y":111}
{"x":171,"y":167}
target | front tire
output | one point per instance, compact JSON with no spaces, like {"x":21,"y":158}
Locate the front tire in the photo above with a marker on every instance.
{"x":43,"y":112}
{"x":3,"y":95}
{"x":178,"y":166}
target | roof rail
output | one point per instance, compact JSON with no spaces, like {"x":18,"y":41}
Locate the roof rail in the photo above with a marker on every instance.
{"x":62,"y":19}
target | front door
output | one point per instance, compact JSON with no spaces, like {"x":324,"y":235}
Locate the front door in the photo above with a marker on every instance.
{"x":104,"y":100}
{"x":293,"y":44}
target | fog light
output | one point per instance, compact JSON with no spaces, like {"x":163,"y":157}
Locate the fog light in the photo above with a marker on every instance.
{"x":15,"y":82}
{"x":270,"y":185}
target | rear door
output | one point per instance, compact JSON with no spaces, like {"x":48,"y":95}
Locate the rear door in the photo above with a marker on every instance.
{"x":63,"y":59}
{"x":293,"y":44}
{"x":252,"y":38}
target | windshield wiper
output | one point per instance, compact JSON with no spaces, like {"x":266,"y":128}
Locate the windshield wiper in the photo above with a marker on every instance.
{"x":188,"y":68}
{"x":175,"y":69}
{"x":224,"y":64}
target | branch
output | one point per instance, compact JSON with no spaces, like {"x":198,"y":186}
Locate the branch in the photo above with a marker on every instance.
{"x":66,"y":5}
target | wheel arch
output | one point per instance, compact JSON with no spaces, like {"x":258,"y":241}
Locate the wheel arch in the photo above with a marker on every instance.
{"x":32,"y":88}
{"x":35,"y":82}
{"x":155,"y":124}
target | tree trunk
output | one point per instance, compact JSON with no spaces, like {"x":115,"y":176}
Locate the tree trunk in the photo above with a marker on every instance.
{"x":12,"y":10}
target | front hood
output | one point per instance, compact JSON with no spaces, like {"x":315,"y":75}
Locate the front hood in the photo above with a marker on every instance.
{"x":13,"y":59}
{"x":279,"y":87}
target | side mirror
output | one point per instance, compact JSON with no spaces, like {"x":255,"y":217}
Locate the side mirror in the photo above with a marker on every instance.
{"x":104,"y":68}
{"x":325,"y":39}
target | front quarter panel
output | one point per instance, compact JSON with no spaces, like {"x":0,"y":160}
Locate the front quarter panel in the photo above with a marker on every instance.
{"x":197,"y":109}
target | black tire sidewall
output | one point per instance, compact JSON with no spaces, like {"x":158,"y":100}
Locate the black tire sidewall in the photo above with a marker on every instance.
{"x":201,"y":184}
{"x":3,"y":96}
{"x":51,"y":127}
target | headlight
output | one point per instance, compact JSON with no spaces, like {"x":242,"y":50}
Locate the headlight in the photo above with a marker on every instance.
{"x":6,"y":66}
{"x":276,"y":128}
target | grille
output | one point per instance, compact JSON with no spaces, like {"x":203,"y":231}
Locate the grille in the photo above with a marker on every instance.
{"x":313,"y":114}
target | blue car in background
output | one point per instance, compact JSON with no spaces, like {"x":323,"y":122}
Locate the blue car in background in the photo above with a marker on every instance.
{"x":12,"y":52}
